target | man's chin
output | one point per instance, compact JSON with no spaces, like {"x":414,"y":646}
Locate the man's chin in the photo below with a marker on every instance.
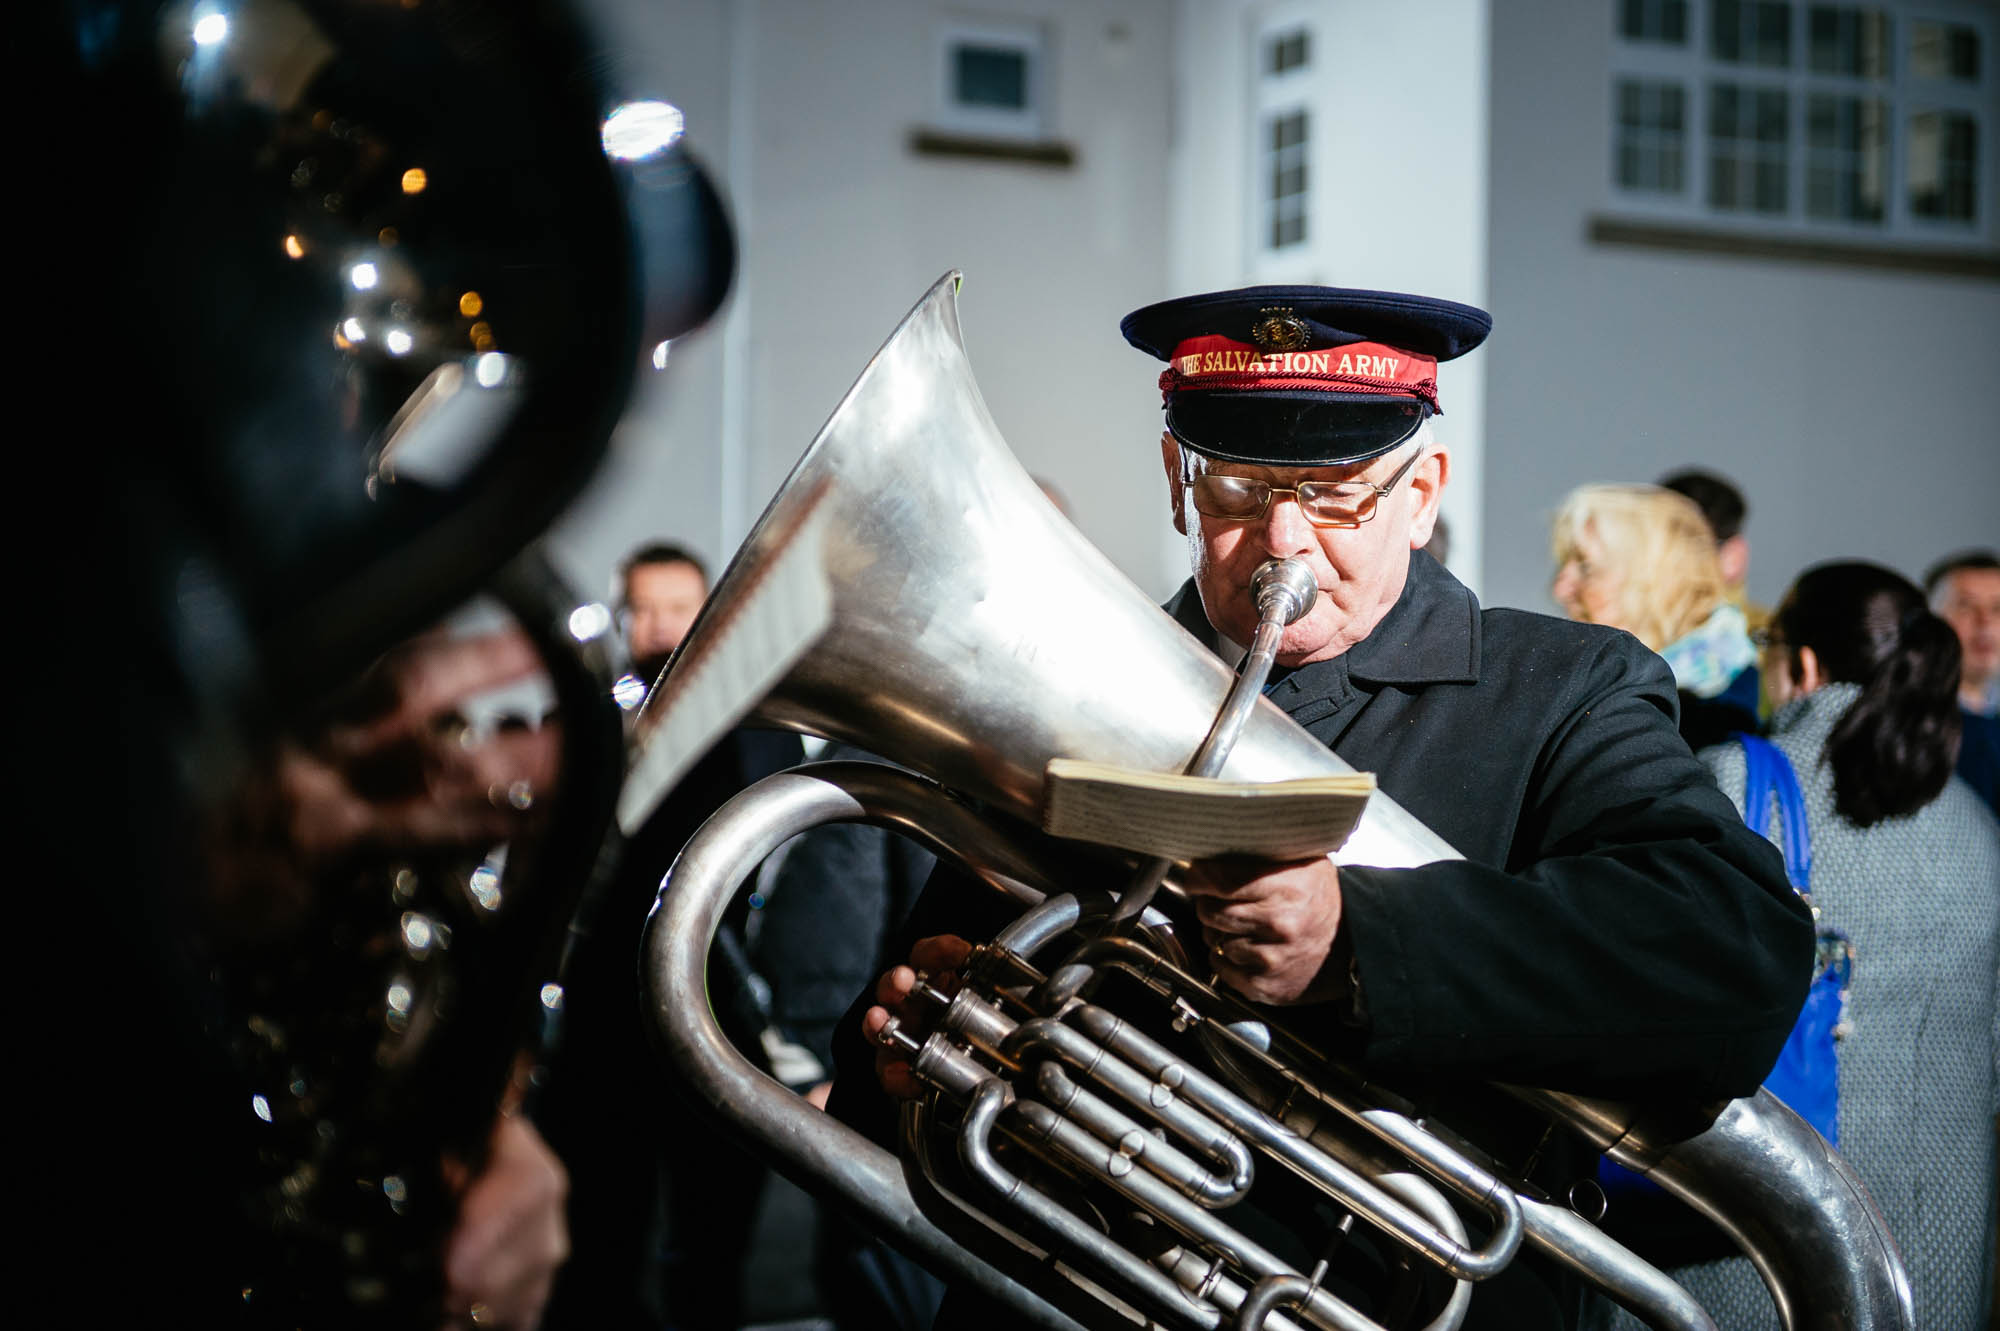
{"x":1292,"y":654}
{"x":1294,"y":648}
{"x":649,"y":668}
{"x":1301,"y":644}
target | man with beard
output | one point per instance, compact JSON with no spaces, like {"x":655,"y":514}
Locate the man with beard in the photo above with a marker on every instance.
{"x":663,"y":587}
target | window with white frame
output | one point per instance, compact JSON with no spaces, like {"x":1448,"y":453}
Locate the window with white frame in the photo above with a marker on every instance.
{"x":1287,"y":51}
{"x":1285,"y":178}
{"x":1285,"y":138}
{"x":1652,"y":135}
{"x":992,"y":79}
{"x":1871,"y":119}
{"x":1653,"y":20}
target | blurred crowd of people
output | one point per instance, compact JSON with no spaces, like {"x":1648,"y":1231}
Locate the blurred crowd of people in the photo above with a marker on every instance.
{"x":1877,"y":692}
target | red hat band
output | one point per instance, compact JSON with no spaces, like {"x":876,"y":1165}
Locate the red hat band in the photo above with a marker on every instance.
{"x":1359,"y":367}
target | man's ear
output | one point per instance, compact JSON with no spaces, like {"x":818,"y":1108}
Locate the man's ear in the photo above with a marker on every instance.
{"x":1170,"y":459}
{"x":1427,"y":483}
{"x":1734,"y":556}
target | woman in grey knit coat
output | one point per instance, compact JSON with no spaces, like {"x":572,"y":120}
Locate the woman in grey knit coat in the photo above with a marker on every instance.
{"x":1906,"y":862}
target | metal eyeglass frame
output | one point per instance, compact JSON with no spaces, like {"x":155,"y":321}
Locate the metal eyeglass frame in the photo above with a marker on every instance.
{"x":1298,"y":493}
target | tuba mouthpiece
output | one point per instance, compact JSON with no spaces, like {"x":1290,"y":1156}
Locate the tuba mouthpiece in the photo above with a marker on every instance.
{"x":1285,"y":590}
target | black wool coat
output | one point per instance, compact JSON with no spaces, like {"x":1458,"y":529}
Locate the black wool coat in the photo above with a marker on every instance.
{"x":1614,"y":928}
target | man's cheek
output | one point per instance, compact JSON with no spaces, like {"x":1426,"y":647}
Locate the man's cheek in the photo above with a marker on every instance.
{"x":1219,"y":562}
{"x":1219,"y":545}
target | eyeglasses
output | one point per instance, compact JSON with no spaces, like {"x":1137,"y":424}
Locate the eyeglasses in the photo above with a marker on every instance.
{"x":1324,"y":503}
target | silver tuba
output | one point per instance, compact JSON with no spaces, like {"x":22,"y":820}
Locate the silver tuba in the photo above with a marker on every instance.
{"x":961,"y":641}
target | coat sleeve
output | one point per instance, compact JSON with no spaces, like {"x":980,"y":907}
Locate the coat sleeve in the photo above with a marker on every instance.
{"x":821,"y":928}
{"x":1640,"y":941}
{"x":840,"y":899}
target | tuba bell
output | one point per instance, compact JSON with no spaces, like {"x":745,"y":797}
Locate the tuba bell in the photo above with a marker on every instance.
{"x":1078,"y":1167}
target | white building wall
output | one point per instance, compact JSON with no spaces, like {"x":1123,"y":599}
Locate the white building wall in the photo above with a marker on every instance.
{"x":803,"y":110}
{"x":1854,"y":406}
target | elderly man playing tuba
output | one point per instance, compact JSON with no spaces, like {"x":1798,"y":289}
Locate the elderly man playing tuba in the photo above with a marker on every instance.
{"x":1613,"y":928}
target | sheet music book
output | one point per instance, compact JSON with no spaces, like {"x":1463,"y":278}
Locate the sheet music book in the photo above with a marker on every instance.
{"x":1192,"y":817}
{"x":743,"y":657}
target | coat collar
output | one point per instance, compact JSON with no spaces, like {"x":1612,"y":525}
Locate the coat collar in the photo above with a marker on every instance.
{"x":1430,"y":636}
{"x":1809,"y":719}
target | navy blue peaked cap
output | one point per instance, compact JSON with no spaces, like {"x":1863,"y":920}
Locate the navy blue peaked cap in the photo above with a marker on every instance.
{"x":1440,"y":329}
{"x":1294,"y":376}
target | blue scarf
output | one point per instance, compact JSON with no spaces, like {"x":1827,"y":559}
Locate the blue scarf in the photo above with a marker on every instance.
{"x":1705,"y":659}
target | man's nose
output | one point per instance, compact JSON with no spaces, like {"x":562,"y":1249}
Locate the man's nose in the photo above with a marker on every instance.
{"x":1284,"y":528}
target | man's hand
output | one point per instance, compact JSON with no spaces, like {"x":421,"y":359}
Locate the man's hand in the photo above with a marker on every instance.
{"x":939,"y":958}
{"x":501,"y":1258}
{"x":1269,"y":927}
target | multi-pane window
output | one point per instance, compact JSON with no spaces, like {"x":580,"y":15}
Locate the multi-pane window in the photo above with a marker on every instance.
{"x":1873,"y":116}
{"x":1944,"y":166}
{"x":1847,"y":158}
{"x":1942,"y":170}
{"x":1852,"y":43}
{"x":1284,"y":88}
{"x":1750,"y":32}
{"x":1652,"y":135}
{"x":1748,"y":135}
{"x":1653,"y":20}
{"x":1286,"y":139}
{"x":1944,"y":51}
{"x":1287,"y":51}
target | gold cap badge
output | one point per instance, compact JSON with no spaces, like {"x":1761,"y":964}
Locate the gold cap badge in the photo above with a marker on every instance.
{"x":1278,"y":329}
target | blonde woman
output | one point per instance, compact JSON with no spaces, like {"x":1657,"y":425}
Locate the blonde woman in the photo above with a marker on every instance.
{"x":1641,"y":558}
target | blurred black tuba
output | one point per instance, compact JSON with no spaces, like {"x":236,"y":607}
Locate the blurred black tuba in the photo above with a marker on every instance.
{"x":1076,"y":1164}
{"x":350,"y":295}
